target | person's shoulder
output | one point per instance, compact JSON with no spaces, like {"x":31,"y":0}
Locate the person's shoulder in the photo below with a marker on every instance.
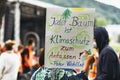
{"x":70,"y":72}
{"x":108,"y":49}
{"x":62,"y":72}
{"x":39,"y":74}
{"x":3,"y":54}
{"x":35,"y":73}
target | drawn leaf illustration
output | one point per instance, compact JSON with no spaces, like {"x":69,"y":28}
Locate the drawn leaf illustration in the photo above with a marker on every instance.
{"x":66,"y":14}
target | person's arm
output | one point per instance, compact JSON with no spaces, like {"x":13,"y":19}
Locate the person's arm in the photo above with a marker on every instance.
{"x":90,"y":59}
{"x":27,"y":62}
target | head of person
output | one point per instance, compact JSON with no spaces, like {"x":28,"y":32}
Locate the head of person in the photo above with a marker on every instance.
{"x":20,"y":48}
{"x":31,"y":43}
{"x":8,"y":47}
{"x":11,"y":42}
{"x":41,"y":57}
{"x":101,"y":37}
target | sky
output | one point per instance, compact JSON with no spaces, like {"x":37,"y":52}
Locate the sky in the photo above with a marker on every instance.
{"x":115,"y":3}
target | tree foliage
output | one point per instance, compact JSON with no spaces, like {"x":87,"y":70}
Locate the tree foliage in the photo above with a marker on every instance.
{"x":66,"y":14}
{"x":103,"y":12}
{"x":100,"y":22}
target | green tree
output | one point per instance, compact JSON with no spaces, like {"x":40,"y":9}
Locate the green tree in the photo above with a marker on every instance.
{"x":100,"y":21}
{"x":119,"y":38}
{"x":112,"y":14}
{"x":66,"y":14}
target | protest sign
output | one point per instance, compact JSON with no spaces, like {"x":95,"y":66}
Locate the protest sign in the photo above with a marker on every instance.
{"x":69,"y":31}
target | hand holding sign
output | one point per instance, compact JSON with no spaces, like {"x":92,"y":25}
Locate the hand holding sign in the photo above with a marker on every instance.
{"x":89,"y":60}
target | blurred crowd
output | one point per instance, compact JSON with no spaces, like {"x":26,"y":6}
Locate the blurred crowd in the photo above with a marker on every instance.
{"x":19,"y":62}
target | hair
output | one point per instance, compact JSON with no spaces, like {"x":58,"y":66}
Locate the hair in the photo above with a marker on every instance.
{"x":41,"y":57}
{"x":20,"y":47}
{"x":30,"y":42}
{"x":25,"y":52}
{"x":8,"y":46}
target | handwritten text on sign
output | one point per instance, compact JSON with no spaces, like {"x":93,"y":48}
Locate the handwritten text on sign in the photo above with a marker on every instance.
{"x":68,"y":33}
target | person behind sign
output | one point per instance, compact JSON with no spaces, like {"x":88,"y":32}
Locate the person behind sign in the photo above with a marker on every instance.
{"x":30,"y":47}
{"x":19,"y":51}
{"x":44,"y":73}
{"x":25,"y":60}
{"x":108,"y":64}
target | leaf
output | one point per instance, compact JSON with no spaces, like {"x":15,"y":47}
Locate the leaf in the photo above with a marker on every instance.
{"x":66,"y":14}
